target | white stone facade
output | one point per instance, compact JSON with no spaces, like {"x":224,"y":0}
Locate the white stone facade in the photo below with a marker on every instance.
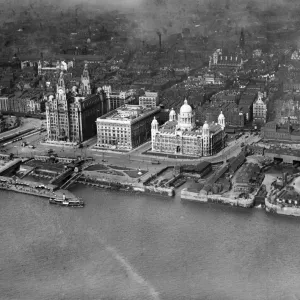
{"x":125,"y":128}
{"x":150,"y":99}
{"x":181,"y":136}
{"x":260,"y":109}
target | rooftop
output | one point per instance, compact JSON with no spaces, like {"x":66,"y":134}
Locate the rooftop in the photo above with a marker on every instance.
{"x":129,"y":113}
{"x":170,"y":127}
{"x":247,"y":172}
{"x":283,"y":151}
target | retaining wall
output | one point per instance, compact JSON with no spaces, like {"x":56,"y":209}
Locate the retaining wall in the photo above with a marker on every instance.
{"x":285,"y":210}
{"x":195,"y":196}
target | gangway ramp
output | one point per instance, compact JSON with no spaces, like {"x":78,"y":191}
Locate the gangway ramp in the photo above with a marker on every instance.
{"x":71,"y":181}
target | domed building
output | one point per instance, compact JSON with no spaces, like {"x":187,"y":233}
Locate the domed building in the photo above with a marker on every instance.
{"x":181,"y":136}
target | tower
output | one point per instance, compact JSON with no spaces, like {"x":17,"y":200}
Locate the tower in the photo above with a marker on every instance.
{"x":221,"y":120}
{"x":61,"y":89}
{"x":172,"y":115}
{"x":154,"y":131}
{"x":205,"y":139}
{"x":186,"y":117}
{"x":39,"y":68}
{"x":215,"y":58}
{"x":85,"y":82}
{"x":242,"y":39}
{"x":61,"y":82}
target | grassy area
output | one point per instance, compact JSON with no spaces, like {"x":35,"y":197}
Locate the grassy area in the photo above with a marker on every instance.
{"x":111,"y":172}
{"x":119,"y":168}
{"x":134,"y":173}
{"x":97,"y":167}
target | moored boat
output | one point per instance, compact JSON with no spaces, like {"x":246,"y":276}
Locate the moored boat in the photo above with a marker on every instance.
{"x":63,"y":201}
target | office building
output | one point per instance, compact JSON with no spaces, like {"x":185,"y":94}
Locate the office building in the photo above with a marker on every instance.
{"x":71,"y":116}
{"x":181,"y":136}
{"x":125,"y":128}
{"x":150,"y":99}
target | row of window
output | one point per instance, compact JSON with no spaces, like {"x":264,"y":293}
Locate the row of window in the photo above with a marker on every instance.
{"x":103,"y":141}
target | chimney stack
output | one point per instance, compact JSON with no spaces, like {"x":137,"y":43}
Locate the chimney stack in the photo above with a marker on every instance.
{"x":159,"y":37}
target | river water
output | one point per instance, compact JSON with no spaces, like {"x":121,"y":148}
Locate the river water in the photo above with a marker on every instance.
{"x":126,"y":246}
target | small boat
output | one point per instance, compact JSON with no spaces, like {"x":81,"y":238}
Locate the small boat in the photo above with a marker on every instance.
{"x":66,"y":202}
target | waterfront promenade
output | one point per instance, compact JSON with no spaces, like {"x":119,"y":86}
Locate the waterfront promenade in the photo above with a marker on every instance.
{"x":135,"y":158}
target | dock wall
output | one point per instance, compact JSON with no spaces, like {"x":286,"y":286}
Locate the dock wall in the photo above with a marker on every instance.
{"x":285,"y":210}
{"x":101,"y":183}
{"x":195,"y":196}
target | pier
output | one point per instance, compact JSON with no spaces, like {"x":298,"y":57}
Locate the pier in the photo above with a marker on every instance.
{"x":34,"y":188}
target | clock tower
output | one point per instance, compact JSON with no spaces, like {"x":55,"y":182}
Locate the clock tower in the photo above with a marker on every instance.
{"x":85,"y":82}
{"x":61,"y":89}
{"x":62,"y":110}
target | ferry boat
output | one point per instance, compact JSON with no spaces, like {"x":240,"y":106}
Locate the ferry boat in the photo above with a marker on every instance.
{"x":63,"y":201}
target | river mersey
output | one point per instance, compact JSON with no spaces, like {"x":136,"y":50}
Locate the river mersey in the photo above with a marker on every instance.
{"x":134,"y":246}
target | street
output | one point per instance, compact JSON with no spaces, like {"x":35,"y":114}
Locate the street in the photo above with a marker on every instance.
{"x":134,"y":158}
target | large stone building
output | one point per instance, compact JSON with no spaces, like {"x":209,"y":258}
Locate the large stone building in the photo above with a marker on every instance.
{"x":150,"y":99}
{"x":125,"y":128}
{"x":118,"y":98}
{"x":181,"y":136}
{"x":290,"y":109}
{"x":219,"y":61}
{"x":246,"y":105}
{"x":260,"y":109}
{"x":233,"y":115}
{"x":71,"y":116}
{"x":4,"y":103}
{"x":280,"y":133}
{"x":46,"y":67}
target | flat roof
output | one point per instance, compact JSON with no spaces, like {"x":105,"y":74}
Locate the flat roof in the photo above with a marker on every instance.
{"x":129,"y":113}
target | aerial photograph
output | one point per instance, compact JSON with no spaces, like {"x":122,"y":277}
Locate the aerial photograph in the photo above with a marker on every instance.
{"x":149,"y":149}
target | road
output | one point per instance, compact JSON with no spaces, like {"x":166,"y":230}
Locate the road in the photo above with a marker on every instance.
{"x":134,"y":158}
{"x":26,"y":123}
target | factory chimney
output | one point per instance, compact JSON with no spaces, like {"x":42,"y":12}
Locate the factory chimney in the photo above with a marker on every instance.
{"x":159,"y":40}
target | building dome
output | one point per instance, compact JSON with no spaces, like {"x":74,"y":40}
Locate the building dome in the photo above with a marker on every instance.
{"x":205,"y":125}
{"x":186,"y":108}
{"x":154,"y":122}
{"x":221,"y":116}
{"x":172,"y":112}
{"x":172,"y":115}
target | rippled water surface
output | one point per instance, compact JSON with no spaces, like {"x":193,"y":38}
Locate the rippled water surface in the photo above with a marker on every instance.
{"x":126,"y":246}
